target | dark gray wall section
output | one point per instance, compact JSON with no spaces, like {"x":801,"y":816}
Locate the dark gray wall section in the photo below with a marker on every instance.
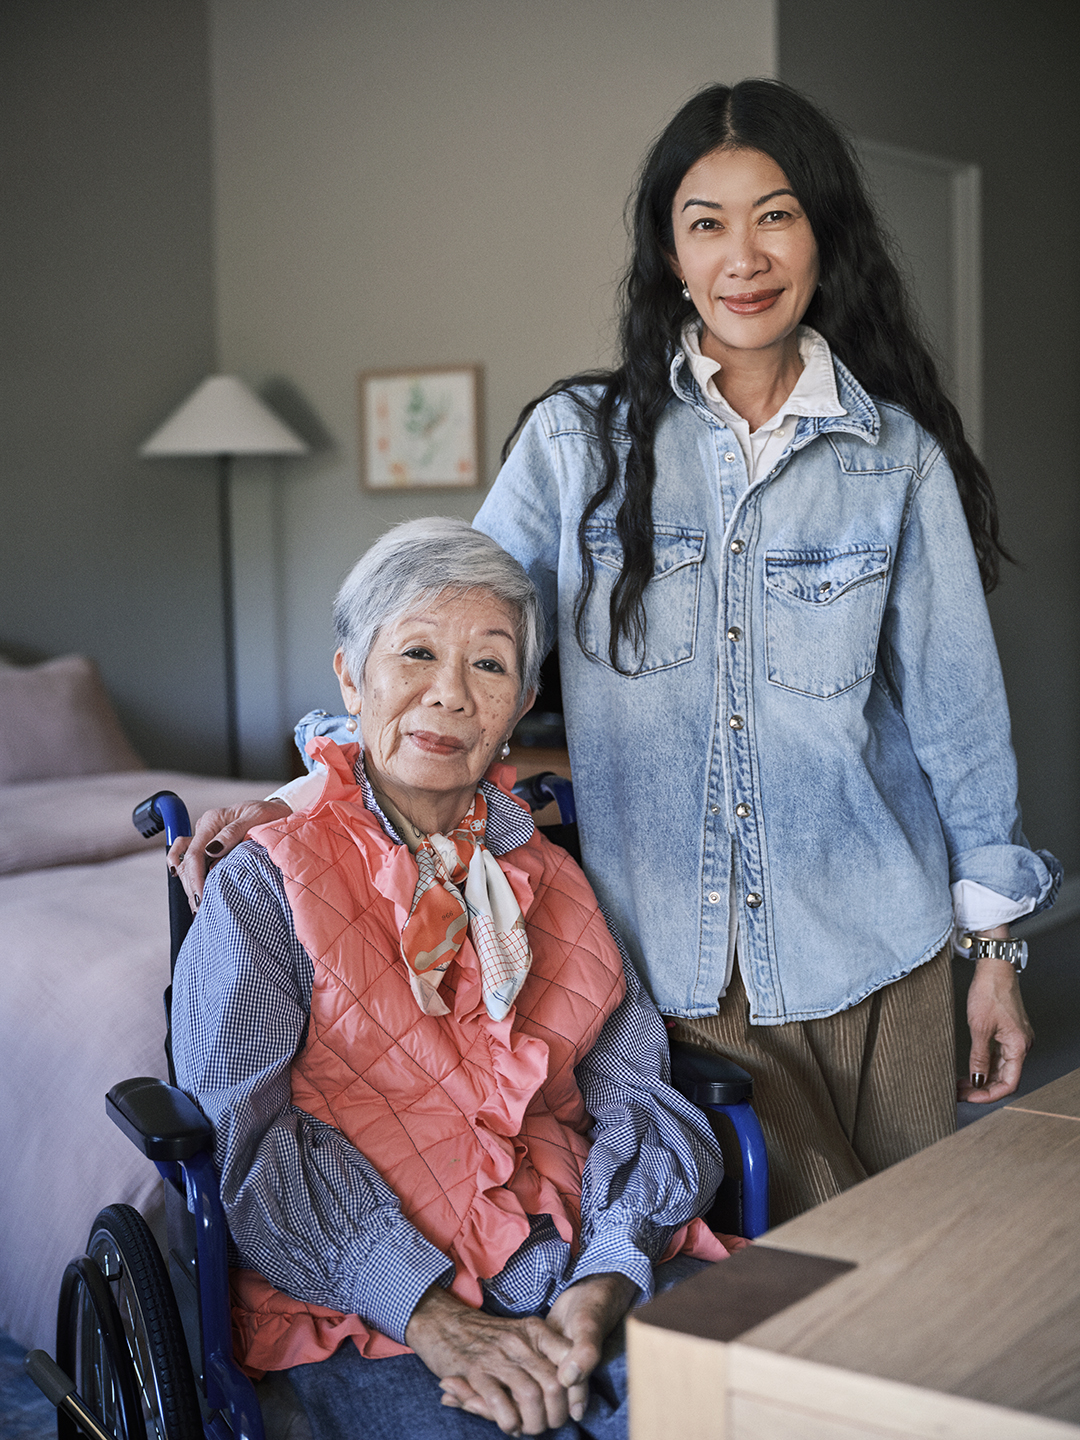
{"x":106,"y":294}
{"x":995,"y":83}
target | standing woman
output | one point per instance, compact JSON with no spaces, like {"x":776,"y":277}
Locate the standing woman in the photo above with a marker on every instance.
{"x":765,"y":540}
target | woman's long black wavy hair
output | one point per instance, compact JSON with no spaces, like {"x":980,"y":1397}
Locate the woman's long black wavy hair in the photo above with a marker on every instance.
{"x":861,"y":308}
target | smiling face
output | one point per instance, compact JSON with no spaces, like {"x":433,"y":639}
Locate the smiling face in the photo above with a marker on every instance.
{"x":745,"y":251}
{"x":439,"y":695}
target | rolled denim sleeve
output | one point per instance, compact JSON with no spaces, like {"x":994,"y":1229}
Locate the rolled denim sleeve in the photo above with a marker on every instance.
{"x":942,"y":663}
{"x":305,"y":1208}
{"x":654,"y":1163}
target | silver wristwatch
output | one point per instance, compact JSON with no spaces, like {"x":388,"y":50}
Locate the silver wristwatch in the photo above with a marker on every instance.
{"x":979,"y":948}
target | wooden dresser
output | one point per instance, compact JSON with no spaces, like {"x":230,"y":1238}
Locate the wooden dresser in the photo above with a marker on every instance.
{"x":939,"y":1300}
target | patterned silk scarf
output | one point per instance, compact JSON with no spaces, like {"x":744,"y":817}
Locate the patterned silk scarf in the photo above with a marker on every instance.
{"x":441,"y":915}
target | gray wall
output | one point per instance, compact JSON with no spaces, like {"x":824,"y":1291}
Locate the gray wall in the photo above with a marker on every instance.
{"x":107,"y":302}
{"x":994,"y":83}
{"x":412,"y":182}
{"x":297,"y":193}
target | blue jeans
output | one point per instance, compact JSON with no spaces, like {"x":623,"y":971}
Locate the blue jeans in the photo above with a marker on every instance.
{"x":348,"y":1397}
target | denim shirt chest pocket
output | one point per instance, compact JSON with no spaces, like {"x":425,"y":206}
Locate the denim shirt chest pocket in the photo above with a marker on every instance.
{"x":671,"y":597}
{"x":822,"y":616}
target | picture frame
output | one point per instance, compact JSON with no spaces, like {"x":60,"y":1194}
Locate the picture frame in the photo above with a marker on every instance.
{"x":421,"y":429}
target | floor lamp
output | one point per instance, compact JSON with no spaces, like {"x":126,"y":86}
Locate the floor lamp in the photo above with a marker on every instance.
{"x":224,"y":418}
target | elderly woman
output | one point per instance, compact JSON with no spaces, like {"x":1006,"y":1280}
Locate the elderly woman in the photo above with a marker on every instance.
{"x":442,"y":1116}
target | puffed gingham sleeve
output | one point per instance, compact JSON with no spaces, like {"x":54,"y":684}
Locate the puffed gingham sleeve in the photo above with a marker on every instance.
{"x":655,"y":1163}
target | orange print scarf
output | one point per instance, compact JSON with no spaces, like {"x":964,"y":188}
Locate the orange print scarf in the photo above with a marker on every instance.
{"x":442,"y":915}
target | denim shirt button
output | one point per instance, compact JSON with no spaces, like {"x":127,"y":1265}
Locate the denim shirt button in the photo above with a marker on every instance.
{"x":742,"y":810}
{"x":736,"y":722}
{"x":737,"y":547}
{"x":753,"y":900}
{"x":730,"y":457}
{"x":734,"y":634}
{"x":714,"y":809}
{"x":714,"y":897}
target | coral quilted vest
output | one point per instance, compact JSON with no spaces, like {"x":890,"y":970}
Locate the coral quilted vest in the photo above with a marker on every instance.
{"x":474,"y":1124}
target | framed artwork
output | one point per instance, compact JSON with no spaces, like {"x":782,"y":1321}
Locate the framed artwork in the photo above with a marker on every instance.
{"x":420,"y":429}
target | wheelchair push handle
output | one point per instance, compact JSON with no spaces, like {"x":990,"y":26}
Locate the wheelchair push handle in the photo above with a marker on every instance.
{"x":707,"y":1078}
{"x":163,"y":811}
{"x":60,"y":1391}
{"x":538,"y":790}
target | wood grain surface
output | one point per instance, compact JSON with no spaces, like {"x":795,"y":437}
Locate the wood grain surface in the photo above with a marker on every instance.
{"x":960,"y":1320}
{"x":968,"y":1276}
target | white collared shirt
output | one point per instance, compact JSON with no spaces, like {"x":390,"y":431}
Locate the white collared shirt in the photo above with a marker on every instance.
{"x":814,"y":394}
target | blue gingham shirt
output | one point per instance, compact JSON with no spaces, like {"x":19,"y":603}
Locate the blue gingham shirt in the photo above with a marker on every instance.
{"x":309,"y":1212}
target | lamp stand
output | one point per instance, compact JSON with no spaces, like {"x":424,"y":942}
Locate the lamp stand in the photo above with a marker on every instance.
{"x":223,"y":417}
{"x":228,"y":605}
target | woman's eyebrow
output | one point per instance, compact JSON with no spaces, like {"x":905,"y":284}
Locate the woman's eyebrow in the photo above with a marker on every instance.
{"x":772,"y":196}
{"x":715,"y":204}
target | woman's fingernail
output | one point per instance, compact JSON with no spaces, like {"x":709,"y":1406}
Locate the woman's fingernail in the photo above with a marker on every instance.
{"x":577,"y":1412}
{"x":978,"y":1080}
{"x":172,"y":869}
{"x":215,"y":847}
{"x":198,"y":901}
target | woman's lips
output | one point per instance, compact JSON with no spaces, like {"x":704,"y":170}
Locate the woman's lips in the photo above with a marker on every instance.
{"x":436,"y":744}
{"x":754,"y":302}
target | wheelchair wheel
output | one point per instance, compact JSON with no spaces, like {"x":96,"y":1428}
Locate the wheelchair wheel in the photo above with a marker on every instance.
{"x":119,"y":1335}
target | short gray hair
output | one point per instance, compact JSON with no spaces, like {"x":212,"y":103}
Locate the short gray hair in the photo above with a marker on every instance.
{"x":419,"y":560}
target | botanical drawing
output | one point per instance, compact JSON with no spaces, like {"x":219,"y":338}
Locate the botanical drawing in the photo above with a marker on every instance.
{"x":419,"y":429}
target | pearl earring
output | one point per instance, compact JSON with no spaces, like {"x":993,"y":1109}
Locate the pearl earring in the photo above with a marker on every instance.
{"x":685,"y":291}
{"x":504,"y":753}
{"x":350,"y":724}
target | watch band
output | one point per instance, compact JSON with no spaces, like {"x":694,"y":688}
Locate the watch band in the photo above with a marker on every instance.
{"x":979,"y":947}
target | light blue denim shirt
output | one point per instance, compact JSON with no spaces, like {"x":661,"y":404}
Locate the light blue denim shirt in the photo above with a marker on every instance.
{"x":817,"y":730}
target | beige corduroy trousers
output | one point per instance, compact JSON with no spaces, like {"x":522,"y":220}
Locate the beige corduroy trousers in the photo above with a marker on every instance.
{"x":844,"y":1097}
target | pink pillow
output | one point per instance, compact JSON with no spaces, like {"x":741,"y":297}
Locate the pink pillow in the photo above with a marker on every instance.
{"x":56,"y":720}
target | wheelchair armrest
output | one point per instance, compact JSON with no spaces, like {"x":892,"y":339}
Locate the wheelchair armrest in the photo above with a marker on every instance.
{"x":159,"y":1119}
{"x":707,"y":1078}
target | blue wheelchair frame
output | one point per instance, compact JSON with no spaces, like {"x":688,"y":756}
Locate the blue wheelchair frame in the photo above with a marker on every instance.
{"x":171,"y":1131}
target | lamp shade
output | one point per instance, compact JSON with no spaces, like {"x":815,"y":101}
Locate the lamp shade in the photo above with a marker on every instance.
{"x":223,"y":416}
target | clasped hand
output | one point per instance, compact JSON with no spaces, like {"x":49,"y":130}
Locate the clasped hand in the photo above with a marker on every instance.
{"x":526,"y":1375}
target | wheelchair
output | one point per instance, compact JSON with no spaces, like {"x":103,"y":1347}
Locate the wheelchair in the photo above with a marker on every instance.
{"x":143,"y":1344}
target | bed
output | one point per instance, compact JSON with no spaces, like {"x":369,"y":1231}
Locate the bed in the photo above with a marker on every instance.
{"x":83,"y":963}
